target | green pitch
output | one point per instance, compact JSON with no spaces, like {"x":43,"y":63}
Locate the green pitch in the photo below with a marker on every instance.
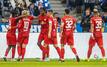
{"x":53,"y":63}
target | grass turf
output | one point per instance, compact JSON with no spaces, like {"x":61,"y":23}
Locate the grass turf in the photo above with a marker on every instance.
{"x":54,"y":63}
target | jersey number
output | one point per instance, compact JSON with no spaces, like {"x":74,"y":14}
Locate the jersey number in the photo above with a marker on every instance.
{"x":69,"y":24}
{"x":99,"y":24}
{"x":26,"y":26}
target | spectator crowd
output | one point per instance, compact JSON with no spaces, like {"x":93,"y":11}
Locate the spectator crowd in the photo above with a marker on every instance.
{"x":82,"y":7}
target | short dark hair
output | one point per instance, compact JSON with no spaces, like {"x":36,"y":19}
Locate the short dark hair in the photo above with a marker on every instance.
{"x":67,"y":11}
{"x":50,"y":10}
{"x":14,"y":13}
{"x":55,"y":13}
{"x":44,"y":9}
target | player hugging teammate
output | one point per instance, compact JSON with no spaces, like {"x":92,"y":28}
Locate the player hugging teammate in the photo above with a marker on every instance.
{"x":11,"y":34}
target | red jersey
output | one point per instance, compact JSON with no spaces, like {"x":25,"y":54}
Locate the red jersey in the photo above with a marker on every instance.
{"x":25,"y":25}
{"x":11,"y":36}
{"x":97,"y":22}
{"x":12,"y":23}
{"x":69,"y":23}
{"x":43,"y":20}
{"x":55,"y":24}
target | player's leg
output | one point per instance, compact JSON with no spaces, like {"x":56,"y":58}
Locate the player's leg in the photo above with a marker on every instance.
{"x":46,"y":54}
{"x":58,"y":50}
{"x":91,"y":45}
{"x":100,"y":44}
{"x":56,"y":46}
{"x":24,"y":44}
{"x":63,"y":42}
{"x":13,"y":47}
{"x":6,"y":52}
{"x":9,"y":42}
{"x":13,"y":51}
{"x":19,"y":46}
{"x":43,"y":49}
{"x":70,"y":41}
{"x":75,"y":52}
{"x":23,"y":51}
{"x":48,"y":49}
{"x":39,"y":43}
{"x":46,"y":45}
{"x":62,"y":52}
{"x":41,"y":46}
{"x":19,"y":49}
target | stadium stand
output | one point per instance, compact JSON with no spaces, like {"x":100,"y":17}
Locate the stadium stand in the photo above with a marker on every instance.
{"x":58,"y":6}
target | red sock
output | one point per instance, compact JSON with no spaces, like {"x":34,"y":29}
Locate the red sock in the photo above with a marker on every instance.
{"x":43,"y":55}
{"x":102,"y":51}
{"x":48,"y":51}
{"x":44,"y":51}
{"x":42,"y":48}
{"x":58,"y":51}
{"x":23,"y":52}
{"x":62,"y":53}
{"x":6,"y":52}
{"x":13,"y":52}
{"x":74,"y":51}
{"x":89,"y":52}
{"x":19,"y":49}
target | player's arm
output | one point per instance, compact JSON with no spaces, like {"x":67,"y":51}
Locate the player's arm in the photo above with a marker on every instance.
{"x":50,"y":29}
{"x":12,"y":27}
{"x":61,"y":28}
{"x":92,"y":28}
{"x":34,"y":18}
{"x":21,"y":16}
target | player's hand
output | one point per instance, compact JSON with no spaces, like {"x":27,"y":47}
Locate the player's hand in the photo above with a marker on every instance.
{"x":8,"y":28}
{"x":49,"y":35}
{"x":42,"y":22}
{"x":92,"y":36}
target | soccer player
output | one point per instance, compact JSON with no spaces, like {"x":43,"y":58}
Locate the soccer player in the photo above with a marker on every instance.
{"x":96,"y":36}
{"x":11,"y":34}
{"x":43,"y":21}
{"x":66,"y":34}
{"x":24,"y":26}
{"x":52,"y":33}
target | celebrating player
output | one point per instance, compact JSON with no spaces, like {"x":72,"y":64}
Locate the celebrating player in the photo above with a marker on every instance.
{"x":67,"y":29}
{"x":43,"y":21}
{"x":96,"y":37}
{"x":11,"y":34}
{"x":52,"y":33}
{"x":24,"y":26}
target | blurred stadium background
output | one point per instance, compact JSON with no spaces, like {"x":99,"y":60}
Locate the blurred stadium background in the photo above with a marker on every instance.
{"x":77,"y":7}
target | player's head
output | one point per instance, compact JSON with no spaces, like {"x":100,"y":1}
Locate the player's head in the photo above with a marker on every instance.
{"x":25,"y":12}
{"x":96,"y":13}
{"x":55,"y":14}
{"x":50,"y":12}
{"x":43,"y":11}
{"x":13,"y":13}
{"x":67,"y":11}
